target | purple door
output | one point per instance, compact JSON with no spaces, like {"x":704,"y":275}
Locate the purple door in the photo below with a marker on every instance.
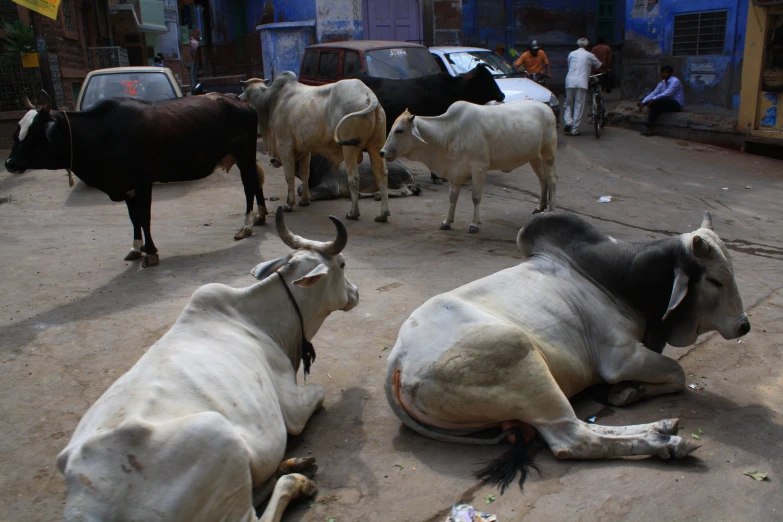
{"x":398,"y":20}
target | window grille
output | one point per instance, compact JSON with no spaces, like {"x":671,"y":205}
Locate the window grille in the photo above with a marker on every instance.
{"x":697,"y":34}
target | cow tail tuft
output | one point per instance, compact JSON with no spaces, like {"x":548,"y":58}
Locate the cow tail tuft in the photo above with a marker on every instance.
{"x":503,"y":470}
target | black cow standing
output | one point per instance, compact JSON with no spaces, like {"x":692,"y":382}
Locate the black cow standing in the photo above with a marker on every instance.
{"x":433,"y":94}
{"x":121,"y":146}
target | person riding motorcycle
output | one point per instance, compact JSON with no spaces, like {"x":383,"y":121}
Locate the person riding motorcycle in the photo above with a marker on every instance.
{"x":534,"y":61}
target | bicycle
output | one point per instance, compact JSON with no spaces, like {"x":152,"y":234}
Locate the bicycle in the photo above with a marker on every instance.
{"x":597,"y":111}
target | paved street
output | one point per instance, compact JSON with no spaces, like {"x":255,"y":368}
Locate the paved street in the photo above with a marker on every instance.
{"x":74,"y":317}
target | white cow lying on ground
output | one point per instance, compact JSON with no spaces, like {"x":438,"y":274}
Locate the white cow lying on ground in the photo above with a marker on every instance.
{"x":196,"y":430}
{"x":583,"y":308}
{"x":468,"y":140}
{"x":336,"y":121}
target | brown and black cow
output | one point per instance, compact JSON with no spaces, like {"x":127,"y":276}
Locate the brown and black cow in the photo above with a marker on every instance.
{"x":123,"y":146}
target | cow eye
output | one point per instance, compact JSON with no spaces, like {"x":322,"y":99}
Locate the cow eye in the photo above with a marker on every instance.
{"x":342,"y":265}
{"x":715,"y":282}
{"x":398,"y":131}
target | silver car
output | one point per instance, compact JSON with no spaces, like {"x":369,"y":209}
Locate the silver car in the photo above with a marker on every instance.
{"x":458,"y":60}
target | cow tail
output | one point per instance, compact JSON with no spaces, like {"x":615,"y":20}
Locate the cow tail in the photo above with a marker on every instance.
{"x":502,"y":470}
{"x":356,"y":142}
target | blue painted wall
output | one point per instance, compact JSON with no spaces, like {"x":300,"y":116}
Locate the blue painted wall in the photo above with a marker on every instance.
{"x":556,"y":24}
{"x":708,"y":81}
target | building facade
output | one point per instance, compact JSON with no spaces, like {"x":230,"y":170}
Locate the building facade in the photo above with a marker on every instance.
{"x":761,"y":98}
{"x":703,"y":40}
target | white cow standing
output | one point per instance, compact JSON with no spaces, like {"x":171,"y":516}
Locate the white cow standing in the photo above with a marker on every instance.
{"x":468,"y":140}
{"x":196,"y":430}
{"x":509,"y":350}
{"x":336,"y":121}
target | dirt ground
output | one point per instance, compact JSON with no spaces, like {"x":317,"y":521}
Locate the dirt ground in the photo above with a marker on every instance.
{"x":74,"y":316}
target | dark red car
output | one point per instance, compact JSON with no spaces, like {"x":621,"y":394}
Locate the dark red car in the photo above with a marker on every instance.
{"x":331,"y":62}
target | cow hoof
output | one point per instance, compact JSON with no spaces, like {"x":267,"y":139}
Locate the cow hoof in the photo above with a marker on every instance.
{"x":304,"y":202}
{"x":435,"y":179}
{"x":260,"y":219}
{"x":623,"y":396}
{"x":133,"y":255}
{"x":444,"y":226}
{"x":288,"y":208}
{"x":306,"y":466}
{"x":377,"y":197}
{"x":350,"y":215}
{"x":536,"y":211}
{"x":243,"y":233}
{"x":275,"y":163}
{"x":670,"y":426}
{"x":683,"y":447}
{"x":150,"y":260}
{"x":472,"y":229}
{"x":383,"y":217}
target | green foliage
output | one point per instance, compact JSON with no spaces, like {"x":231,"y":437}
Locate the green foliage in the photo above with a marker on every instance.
{"x":20,"y":38}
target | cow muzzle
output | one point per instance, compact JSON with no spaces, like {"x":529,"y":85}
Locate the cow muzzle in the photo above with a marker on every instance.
{"x":743,"y":327}
{"x":388,"y":155}
{"x":353,"y":297}
{"x":14,"y":166}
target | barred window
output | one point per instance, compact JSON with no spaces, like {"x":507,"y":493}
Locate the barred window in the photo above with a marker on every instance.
{"x":697,"y":34}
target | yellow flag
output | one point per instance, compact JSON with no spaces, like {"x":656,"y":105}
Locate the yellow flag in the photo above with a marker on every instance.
{"x":45,"y":7}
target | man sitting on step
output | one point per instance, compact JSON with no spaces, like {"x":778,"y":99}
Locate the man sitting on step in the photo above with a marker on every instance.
{"x":668,"y":96}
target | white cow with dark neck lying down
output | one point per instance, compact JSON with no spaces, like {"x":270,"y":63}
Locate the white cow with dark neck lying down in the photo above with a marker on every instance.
{"x":583,"y":308}
{"x":468,"y":140}
{"x":196,"y":430}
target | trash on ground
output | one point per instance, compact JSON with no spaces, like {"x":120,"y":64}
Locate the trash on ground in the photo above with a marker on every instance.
{"x":756,"y":475}
{"x":696,"y":386}
{"x":747,"y":187}
{"x":592,"y":419}
{"x":273,"y":198}
{"x":695,"y":436}
{"x":490,"y":499}
{"x":740,"y":341}
{"x":725,"y":188}
{"x":701,"y":431}
{"x":605,"y":199}
{"x":466,"y":513}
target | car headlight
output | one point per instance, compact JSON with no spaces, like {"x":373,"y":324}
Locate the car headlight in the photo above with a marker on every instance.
{"x":553,"y":101}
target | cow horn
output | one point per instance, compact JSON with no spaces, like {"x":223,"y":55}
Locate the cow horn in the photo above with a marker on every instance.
{"x":335,"y":247}
{"x":706,"y":222}
{"x":290,"y":239}
{"x":331,"y":248}
{"x":27,"y":103}
{"x":47,"y":105}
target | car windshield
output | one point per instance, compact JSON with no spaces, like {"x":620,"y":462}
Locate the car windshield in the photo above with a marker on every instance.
{"x":149,"y":86}
{"x":464,"y":61}
{"x":401,"y":63}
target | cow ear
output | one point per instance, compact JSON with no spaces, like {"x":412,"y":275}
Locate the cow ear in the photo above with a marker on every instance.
{"x":701,"y":248}
{"x":411,"y":117}
{"x":313,"y":277}
{"x":416,"y":133}
{"x":679,"y":291}
{"x":268,"y":268}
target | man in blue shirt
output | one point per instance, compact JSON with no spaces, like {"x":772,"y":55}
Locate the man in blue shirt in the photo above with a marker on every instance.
{"x":668,"y":96}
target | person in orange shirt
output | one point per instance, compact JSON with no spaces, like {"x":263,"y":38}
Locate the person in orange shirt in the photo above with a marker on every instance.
{"x":604,"y":53}
{"x":534,"y":60}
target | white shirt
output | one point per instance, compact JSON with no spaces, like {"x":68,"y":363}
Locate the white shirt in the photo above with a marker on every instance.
{"x":580,"y":65}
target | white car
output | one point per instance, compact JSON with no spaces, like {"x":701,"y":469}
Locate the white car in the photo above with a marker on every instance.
{"x":459,"y":60}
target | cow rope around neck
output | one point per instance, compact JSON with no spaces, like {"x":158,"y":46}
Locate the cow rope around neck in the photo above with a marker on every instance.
{"x":70,"y":140}
{"x":306,"y":348}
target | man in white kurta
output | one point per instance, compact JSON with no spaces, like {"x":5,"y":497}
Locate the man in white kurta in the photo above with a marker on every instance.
{"x":580,"y":65}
